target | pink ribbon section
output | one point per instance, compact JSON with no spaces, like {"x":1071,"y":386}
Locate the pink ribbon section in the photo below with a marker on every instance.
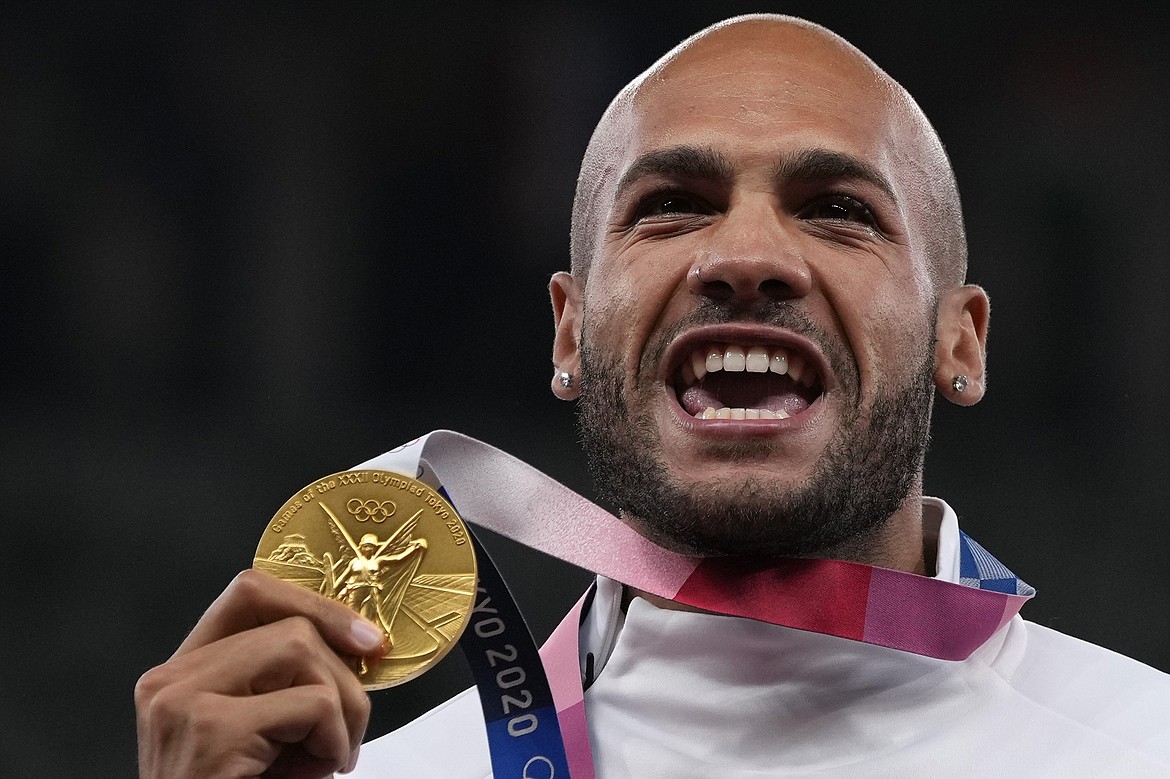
{"x":850,"y":600}
{"x":560,"y":656}
{"x":933,"y":617}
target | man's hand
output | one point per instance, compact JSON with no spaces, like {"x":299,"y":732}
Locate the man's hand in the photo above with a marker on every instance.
{"x":259,"y":688}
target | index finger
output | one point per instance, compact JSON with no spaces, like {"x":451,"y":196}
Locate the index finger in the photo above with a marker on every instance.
{"x":254,"y":599}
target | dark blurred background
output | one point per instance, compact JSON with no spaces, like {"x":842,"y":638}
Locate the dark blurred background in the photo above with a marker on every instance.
{"x":246,"y":245}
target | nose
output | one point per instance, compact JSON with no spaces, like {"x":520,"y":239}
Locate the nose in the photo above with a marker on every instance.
{"x":750,"y":263}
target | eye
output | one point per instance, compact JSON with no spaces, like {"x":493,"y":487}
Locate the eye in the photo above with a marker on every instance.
{"x":840,"y":208}
{"x":670,"y":203}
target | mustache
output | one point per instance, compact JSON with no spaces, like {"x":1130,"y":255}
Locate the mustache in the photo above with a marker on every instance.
{"x":783,"y":314}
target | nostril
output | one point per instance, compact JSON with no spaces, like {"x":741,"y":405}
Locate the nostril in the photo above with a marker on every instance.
{"x":774,"y":288}
{"x":717,"y":290}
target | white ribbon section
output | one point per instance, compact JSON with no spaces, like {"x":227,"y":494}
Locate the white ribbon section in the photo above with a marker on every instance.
{"x":492,"y":489}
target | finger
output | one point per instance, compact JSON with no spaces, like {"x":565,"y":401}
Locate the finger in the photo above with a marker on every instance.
{"x":260,"y":660}
{"x":308,"y":716}
{"x":269,"y":658}
{"x":294,"y":732}
{"x":294,"y":763}
{"x":297,"y":656}
{"x":222,"y":700}
{"x":254,"y":599}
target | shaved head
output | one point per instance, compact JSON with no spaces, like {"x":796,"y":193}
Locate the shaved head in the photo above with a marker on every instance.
{"x":815,"y":59}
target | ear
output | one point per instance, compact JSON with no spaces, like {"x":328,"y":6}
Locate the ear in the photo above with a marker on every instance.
{"x":961,"y":344}
{"x":565,"y":292}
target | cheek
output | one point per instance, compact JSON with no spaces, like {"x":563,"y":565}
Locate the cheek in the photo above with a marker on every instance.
{"x":886,"y":325}
{"x":899,"y":339}
{"x":609,"y":320}
{"x":621,"y":312}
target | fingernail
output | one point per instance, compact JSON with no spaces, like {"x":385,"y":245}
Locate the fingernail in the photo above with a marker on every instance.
{"x":366,"y":634}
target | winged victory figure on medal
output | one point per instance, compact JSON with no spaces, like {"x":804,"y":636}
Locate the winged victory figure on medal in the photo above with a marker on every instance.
{"x":379,"y":579}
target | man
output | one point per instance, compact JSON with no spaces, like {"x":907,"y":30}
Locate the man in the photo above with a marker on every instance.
{"x":767,"y":289}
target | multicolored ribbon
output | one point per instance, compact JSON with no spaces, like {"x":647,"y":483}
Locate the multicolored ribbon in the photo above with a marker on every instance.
{"x":492,"y":489}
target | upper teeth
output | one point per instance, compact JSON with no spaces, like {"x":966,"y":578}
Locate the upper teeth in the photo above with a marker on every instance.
{"x":755,"y":359}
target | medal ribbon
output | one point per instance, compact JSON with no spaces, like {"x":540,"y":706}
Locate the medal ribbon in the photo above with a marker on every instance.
{"x":525,"y":736}
{"x":904,"y":611}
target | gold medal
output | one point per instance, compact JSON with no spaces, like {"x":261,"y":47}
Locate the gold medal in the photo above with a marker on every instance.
{"x":389,"y":547}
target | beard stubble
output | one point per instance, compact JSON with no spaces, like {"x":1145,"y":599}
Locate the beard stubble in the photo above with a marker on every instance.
{"x":864,"y":475}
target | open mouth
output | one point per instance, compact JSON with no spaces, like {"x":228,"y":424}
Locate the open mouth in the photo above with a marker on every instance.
{"x":720,"y":380}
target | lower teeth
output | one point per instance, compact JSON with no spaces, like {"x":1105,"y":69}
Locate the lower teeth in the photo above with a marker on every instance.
{"x":741,"y":413}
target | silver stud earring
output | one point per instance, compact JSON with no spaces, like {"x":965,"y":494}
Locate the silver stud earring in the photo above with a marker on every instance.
{"x":566,"y":379}
{"x":959,"y":383}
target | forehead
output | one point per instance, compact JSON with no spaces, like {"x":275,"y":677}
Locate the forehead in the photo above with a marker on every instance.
{"x":764,"y":93}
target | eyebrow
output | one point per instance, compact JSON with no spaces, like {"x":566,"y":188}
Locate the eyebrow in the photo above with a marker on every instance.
{"x":693,"y":162}
{"x":817,"y":164}
{"x":703,"y":163}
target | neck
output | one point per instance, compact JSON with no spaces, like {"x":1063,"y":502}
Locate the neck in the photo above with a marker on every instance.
{"x":899,"y":543}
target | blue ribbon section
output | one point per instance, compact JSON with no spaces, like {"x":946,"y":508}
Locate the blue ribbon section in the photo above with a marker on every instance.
{"x":978,"y":569}
{"x":524,"y":735}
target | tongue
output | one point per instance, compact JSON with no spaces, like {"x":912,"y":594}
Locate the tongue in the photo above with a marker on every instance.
{"x":743,"y":390}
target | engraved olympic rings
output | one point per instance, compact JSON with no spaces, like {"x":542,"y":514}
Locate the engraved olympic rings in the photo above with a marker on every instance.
{"x":542,"y":761}
{"x":377,"y":511}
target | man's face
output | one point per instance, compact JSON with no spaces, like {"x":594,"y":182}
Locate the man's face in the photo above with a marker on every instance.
{"x":760,"y":213}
